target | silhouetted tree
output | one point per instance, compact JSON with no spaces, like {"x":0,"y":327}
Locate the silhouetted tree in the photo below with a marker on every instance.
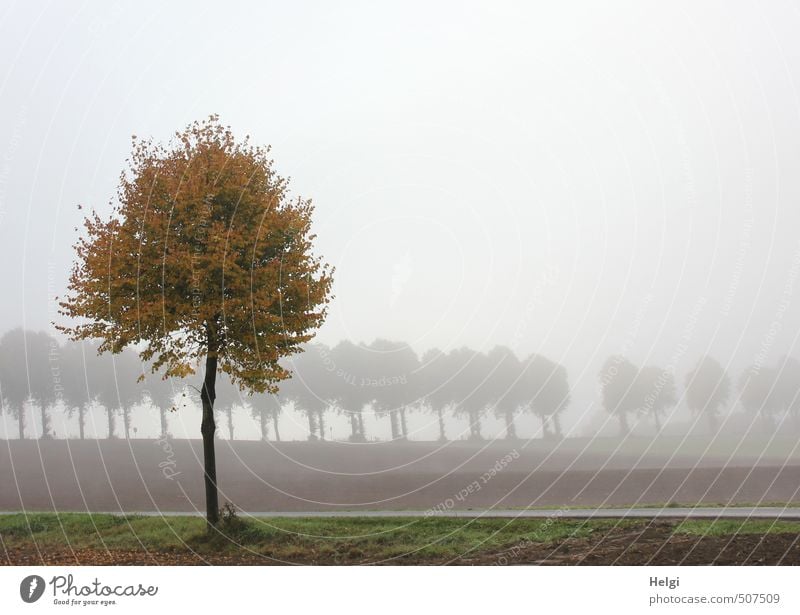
{"x":434,"y":386}
{"x":348,"y":365}
{"x":14,"y":383}
{"x":471,"y":392}
{"x":618,"y":386}
{"x":758,"y":393}
{"x":266,"y":407}
{"x":708,"y":388}
{"x":75,"y":394}
{"x":391,"y":384}
{"x":309,"y":388}
{"x":545,"y":392}
{"x":505,"y":386}
{"x":44,"y":377}
{"x":656,"y":392}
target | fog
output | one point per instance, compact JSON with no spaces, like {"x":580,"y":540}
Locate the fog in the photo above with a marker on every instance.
{"x":574,"y":181}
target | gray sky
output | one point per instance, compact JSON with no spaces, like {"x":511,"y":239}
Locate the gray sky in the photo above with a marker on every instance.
{"x":573,"y":180}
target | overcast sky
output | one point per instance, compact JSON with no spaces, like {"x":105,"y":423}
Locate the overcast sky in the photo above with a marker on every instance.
{"x":570,"y":179}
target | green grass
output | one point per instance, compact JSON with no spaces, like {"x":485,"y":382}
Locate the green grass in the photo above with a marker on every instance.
{"x":329,"y":539}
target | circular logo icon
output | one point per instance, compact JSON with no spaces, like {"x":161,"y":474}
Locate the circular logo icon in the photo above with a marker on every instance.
{"x":31,"y":588}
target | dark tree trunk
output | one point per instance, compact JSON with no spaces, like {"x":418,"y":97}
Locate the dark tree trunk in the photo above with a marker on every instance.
{"x":112,"y":423}
{"x":126,"y":421}
{"x":163,"y":415}
{"x":321,"y":423}
{"x":442,"y":434}
{"x":511,"y":428}
{"x":403,"y":424}
{"x":45,"y":422}
{"x":82,"y":421}
{"x":353,"y":427}
{"x":475,"y":426}
{"x":262,"y":417}
{"x":312,"y":426}
{"x":395,"y":426}
{"x":275,"y":425}
{"x":623,"y":424}
{"x":207,"y":395}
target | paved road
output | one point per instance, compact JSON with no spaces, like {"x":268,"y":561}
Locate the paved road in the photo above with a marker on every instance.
{"x":733,"y":512}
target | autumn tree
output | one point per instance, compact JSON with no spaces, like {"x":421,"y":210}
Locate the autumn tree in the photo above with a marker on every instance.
{"x":205,"y":259}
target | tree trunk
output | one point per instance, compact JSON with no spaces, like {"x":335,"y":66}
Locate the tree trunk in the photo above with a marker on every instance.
{"x":511,"y":428}
{"x":475,"y":426}
{"x":321,"y":423}
{"x":312,"y":426}
{"x":21,"y":421}
{"x":45,"y":421}
{"x":623,"y":424}
{"x":545,"y":427}
{"x":403,"y":424}
{"x":353,"y":427}
{"x":557,"y":425}
{"x":442,"y":434}
{"x":207,"y":427}
{"x":395,"y":426}
{"x":361,"y":426}
{"x":126,"y":421}
{"x":229,"y":412}
{"x":262,"y":416}
{"x":275,"y":425}
{"x":163,"y":415}
{"x":112,"y":423}
{"x":82,"y":421}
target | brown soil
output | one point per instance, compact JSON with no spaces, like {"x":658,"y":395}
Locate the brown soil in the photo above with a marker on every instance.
{"x":142,"y":475}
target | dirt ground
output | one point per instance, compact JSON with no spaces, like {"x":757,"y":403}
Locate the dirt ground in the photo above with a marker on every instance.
{"x":148,"y":475}
{"x":648,"y":544}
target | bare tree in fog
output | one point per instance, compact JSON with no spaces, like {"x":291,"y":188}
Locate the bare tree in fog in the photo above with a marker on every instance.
{"x":708,"y":389}
{"x":758,"y":394}
{"x":391,"y":384}
{"x":656,"y":392}
{"x":618,"y":386}
{"x":434,"y":386}
{"x":506,"y":387}
{"x":348,"y":368}
{"x":545,"y":392}
{"x":470,"y":389}
{"x":14,"y":385}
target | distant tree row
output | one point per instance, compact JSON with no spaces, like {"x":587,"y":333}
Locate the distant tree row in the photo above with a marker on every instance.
{"x":387,"y":378}
{"x":763,"y":391}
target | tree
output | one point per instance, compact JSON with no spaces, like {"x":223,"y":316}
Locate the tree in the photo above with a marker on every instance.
{"x":470,"y":390}
{"x":309,"y":389}
{"x":708,"y":388}
{"x":506,"y":386}
{"x":14,"y":384}
{"x":758,"y":393}
{"x":434,"y":384}
{"x":264,"y":408}
{"x":75,"y":385}
{"x":618,"y":386}
{"x":390,"y":383}
{"x":207,"y":259}
{"x":656,"y":392}
{"x":545,"y":392}
{"x":348,"y":366}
